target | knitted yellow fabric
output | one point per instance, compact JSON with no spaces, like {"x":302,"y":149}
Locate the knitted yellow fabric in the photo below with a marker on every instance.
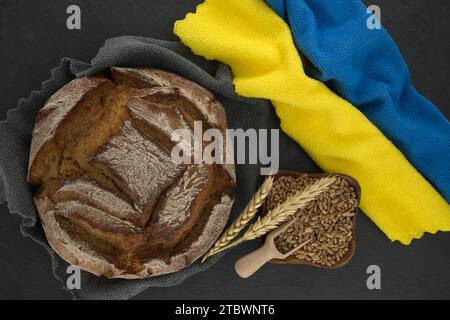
{"x":257,"y":44}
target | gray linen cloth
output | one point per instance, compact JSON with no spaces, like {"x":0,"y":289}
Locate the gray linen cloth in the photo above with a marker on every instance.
{"x":127,"y":51}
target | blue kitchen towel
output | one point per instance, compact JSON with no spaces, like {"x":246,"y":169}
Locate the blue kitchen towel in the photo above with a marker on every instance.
{"x":366,"y":68}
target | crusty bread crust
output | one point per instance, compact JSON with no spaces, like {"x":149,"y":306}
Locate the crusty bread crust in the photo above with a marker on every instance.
{"x":109,"y":198}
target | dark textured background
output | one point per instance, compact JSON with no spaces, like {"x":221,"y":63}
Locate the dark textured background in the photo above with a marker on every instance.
{"x":36,"y":29}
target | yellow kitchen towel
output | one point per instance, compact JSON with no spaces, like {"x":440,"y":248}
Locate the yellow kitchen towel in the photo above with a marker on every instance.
{"x":257,"y":44}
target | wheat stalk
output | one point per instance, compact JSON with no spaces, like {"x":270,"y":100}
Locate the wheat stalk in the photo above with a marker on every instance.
{"x":283,"y":211}
{"x":241,"y":221}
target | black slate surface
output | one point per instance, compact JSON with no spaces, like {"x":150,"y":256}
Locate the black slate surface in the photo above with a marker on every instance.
{"x":37,"y":29}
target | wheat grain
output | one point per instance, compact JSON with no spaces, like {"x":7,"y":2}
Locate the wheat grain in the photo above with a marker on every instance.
{"x":282,"y":212}
{"x":330,"y":221}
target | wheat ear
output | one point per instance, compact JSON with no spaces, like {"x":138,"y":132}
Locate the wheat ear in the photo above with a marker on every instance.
{"x":283,"y":211}
{"x":241,"y":221}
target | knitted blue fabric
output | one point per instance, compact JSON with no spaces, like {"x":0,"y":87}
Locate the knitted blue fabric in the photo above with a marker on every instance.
{"x":366,"y":68}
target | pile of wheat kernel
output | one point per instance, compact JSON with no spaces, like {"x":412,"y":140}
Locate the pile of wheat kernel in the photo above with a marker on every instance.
{"x":327,"y":221}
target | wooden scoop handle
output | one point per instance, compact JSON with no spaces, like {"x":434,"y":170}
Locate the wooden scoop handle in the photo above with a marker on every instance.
{"x":249,"y":264}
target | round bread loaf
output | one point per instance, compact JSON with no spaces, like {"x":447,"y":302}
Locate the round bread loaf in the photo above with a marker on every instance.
{"x":110,"y":198}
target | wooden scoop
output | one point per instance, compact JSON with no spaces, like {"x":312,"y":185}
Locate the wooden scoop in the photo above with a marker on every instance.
{"x":249,"y":264}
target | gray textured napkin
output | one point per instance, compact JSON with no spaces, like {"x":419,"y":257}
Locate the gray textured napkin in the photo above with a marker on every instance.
{"x":15,"y":138}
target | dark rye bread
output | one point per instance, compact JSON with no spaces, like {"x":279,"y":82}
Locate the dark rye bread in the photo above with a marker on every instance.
{"x":110,"y":198}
